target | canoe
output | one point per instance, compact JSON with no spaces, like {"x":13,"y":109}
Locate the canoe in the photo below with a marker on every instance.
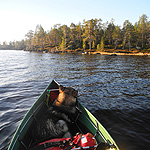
{"x":85,"y":123}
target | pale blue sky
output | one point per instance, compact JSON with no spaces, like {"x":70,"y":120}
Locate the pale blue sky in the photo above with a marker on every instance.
{"x":19,"y":16}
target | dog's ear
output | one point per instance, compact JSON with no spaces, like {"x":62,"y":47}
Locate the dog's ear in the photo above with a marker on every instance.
{"x":75,"y":93}
{"x":61,"y":88}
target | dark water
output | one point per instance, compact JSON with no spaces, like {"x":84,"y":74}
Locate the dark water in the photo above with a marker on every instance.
{"x":115,"y":89}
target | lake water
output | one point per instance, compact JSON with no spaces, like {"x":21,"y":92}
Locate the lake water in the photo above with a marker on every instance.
{"x":116,"y":89}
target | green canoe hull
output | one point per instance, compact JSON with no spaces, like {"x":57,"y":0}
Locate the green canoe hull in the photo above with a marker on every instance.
{"x":21,"y":138}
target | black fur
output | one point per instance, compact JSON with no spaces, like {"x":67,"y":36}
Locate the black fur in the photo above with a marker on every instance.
{"x":55,"y":122}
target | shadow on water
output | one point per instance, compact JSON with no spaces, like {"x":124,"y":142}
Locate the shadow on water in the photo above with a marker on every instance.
{"x":129,"y":128}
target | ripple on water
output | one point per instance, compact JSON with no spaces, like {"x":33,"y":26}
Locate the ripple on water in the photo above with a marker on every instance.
{"x":115,"y":89}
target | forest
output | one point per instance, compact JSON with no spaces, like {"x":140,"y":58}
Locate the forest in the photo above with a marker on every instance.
{"x":91,"y":35}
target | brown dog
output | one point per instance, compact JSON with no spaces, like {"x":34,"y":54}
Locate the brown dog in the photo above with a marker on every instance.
{"x":54,"y":124}
{"x":66,"y":99}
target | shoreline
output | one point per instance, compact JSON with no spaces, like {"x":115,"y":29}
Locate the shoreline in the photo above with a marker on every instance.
{"x":115,"y":53}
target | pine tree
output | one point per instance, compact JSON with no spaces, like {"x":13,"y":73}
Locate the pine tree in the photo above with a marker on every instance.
{"x":109,"y":32}
{"x":78,"y":35}
{"x":142,"y":28}
{"x":29,"y":35}
{"x":89,"y":31}
{"x":116,"y":35}
{"x":128,"y":31}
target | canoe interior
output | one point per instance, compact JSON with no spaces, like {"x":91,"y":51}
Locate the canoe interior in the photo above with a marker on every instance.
{"x":85,"y":122}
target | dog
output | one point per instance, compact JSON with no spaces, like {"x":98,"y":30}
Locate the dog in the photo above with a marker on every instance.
{"x":54,"y":124}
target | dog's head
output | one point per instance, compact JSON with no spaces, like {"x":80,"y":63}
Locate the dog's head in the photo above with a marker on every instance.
{"x":67,"y":96}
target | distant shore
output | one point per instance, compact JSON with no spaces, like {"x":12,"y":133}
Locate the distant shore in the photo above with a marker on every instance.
{"x":115,"y":53}
{"x":110,"y":52}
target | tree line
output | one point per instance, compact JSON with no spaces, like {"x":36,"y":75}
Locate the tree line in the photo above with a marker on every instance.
{"x":15,"y":45}
{"x":92,"y":35}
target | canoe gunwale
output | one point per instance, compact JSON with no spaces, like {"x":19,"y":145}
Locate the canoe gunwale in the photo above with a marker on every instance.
{"x":96,"y":126}
{"x":19,"y":130}
{"x":28,"y":116}
{"x":102,"y":132}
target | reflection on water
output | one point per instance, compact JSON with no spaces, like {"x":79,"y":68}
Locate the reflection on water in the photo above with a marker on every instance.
{"x":115,"y":89}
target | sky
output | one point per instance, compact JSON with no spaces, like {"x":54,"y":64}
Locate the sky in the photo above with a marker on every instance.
{"x":17,"y":17}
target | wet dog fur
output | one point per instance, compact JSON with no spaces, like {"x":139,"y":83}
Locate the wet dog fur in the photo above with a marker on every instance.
{"x":54,"y":124}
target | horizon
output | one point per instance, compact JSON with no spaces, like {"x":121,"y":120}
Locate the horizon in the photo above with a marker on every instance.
{"x":19,"y":17}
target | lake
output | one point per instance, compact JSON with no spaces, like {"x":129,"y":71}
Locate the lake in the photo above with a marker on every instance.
{"x":116,"y":89}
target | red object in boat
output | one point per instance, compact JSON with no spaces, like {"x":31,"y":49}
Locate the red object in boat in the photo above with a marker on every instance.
{"x":84,"y":141}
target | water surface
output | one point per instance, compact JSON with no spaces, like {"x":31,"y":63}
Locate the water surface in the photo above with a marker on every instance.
{"x":116,"y":89}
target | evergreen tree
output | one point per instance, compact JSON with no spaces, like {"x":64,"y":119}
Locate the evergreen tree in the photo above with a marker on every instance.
{"x":109,"y":32}
{"x":73,"y":33}
{"x":128,"y":30}
{"x":148,"y":34}
{"x":142,"y":28}
{"x":88,"y":34}
{"x":116,"y":35}
{"x":124,"y":33}
{"x":29,"y":36}
{"x":129,"y":33}
{"x":65,"y":34}
{"x":53,"y":37}
{"x":41,"y":35}
{"x":79,"y":35}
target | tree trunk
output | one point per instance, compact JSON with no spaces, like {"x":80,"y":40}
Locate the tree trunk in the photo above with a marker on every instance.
{"x":129,"y":46}
{"x":90,"y":43}
{"x":142,"y":40}
{"x":116,"y":44}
